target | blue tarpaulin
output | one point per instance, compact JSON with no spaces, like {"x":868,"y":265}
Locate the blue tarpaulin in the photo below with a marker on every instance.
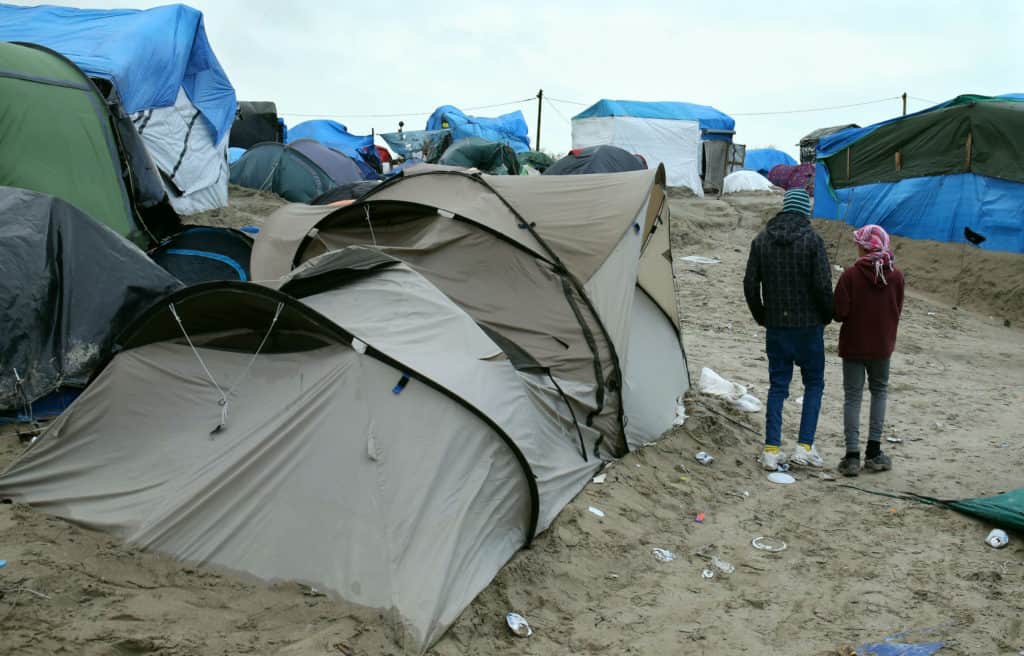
{"x":900,"y":649}
{"x":234,"y":154}
{"x":510,"y":129}
{"x":335,"y":135}
{"x":147,"y":54}
{"x":710,"y":119}
{"x":936,"y":207}
{"x":763,"y":159}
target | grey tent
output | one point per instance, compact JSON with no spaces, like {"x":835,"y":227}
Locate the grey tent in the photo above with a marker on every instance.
{"x":379,"y":445}
{"x":596,"y":159}
{"x":391,"y":419}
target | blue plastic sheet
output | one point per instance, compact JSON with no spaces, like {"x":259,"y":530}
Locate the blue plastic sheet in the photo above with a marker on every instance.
{"x":335,"y":135}
{"x":763,"y":160}
{"x":234,"y":154}
{"x":899,"y":649}
{"x":933,"y":207}
{"x":148,"y":54}
{"x":510,"y":129}
{"x":709,"y":118}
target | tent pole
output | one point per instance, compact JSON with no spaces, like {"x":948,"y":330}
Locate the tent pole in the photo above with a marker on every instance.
{"x":904,"y":103}
{"x":540,"y":103}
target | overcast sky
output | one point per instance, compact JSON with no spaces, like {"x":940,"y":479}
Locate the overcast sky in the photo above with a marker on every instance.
{"x":344,"y":60}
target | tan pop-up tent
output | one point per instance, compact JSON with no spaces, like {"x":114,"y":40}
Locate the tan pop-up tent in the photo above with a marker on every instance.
{"x":574,"y":270}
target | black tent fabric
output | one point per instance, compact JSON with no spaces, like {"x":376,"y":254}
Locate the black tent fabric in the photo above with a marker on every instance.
{"x":596,"y":159}
{"x":255,"y":122}
{"x":69,"y":285}
{"x":347,"y":191}
{"x":204,"y":254}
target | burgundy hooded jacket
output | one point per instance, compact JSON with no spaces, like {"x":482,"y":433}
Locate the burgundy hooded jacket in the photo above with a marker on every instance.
{"x":869,"y":310}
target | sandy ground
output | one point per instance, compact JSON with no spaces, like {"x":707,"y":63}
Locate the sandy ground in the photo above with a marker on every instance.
{"x":858,"y":567}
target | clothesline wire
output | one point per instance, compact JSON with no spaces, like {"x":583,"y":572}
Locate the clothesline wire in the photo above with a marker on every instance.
{"x":553,"y":100}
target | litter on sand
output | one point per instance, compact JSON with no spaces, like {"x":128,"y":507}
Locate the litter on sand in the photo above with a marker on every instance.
{"x":699,"y":518}
{"x":663,"y":555}
{"x":827,"y":476}
{"x":782,"y":478}
{"x":704,"y":458}
{"x":600,"y":478}
{"x":3,"y":563}
{"x":997,"y":538}
{"x":765,"y":543}
{"x":714,"y":385}
{"x":699,"y":259}
{"x":596,"y":511}
{"x":894,"y":440}
{"x":708,"y":573}
{"x":518,"y":625}
{"x":722,"y":566}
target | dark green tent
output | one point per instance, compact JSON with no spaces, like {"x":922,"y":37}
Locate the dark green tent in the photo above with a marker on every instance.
{"x":56,"y":136}
{"x":487,"y":156}
{"x":969,"y":134}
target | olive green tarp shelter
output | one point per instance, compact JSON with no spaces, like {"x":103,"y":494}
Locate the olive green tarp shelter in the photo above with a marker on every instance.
{"x":969,"y":134}
{"x":56,"y":135}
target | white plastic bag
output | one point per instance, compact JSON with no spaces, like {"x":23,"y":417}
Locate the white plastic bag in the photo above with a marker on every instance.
{"x":713,"y":384}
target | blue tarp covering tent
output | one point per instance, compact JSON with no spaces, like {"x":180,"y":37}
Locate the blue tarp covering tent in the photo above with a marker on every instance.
{"x":763,"y":160}
{"x":234,"y":154}
{"x":510,"y":129}
{"x":714,"y":125}
{"x":335,"y":135}
{"x":936,"y":207}
{"x":106,"y":43}
{"x":166,"y":77}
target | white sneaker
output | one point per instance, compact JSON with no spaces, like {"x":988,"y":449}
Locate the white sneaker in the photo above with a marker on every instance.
{"x":771,"y":461}
{"x":807,"y":458}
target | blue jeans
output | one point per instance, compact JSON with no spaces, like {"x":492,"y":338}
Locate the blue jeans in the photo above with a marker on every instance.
{"x":785,"y":347}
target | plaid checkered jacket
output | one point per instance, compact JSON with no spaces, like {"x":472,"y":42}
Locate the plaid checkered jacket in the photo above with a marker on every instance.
{"x":788,"y":283}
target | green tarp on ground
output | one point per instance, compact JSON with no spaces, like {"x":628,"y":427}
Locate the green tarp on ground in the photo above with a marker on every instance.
{"x":971,"y":134}
{"x":56,"y":137}
{"x":1005,"y":510}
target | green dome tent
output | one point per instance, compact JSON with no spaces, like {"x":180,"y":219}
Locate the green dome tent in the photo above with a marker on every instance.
{"x":56,"y":136}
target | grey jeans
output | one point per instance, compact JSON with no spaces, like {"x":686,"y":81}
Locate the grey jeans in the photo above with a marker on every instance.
{"x":854,"y":371}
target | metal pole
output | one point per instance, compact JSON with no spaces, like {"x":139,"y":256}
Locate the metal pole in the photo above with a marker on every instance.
{"x":904,"y":103}
{"x":540,"y":103}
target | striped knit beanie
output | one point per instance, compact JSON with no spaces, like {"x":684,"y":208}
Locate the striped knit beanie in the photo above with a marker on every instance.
{"x":797,"y":200}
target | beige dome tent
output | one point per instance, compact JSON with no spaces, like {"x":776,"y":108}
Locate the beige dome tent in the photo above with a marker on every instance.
{"x":554,"y":264}
{"x":393,"y":419}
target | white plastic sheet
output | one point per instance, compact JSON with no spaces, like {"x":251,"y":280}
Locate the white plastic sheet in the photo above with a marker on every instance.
{"x":745,"y":181}
{"x":713,"y":384}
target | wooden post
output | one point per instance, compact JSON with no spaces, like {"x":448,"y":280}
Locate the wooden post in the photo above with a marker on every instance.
{"x":904,"y":103}
{"x":968,"y":149}
{"x":540,"y":104}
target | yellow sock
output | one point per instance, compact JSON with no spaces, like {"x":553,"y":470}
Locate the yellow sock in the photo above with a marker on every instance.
{"x":770,"y":449}
{"x":807,"y":447}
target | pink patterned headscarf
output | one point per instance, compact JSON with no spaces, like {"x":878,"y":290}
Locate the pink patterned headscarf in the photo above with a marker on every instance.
{"x":875,"y":240}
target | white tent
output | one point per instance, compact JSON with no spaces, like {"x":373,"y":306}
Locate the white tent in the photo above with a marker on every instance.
{"x":746,"y":181}
{"x":669,"y":133}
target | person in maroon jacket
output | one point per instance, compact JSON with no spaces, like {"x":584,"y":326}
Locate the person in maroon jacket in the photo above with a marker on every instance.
{"x":868,"y":302}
